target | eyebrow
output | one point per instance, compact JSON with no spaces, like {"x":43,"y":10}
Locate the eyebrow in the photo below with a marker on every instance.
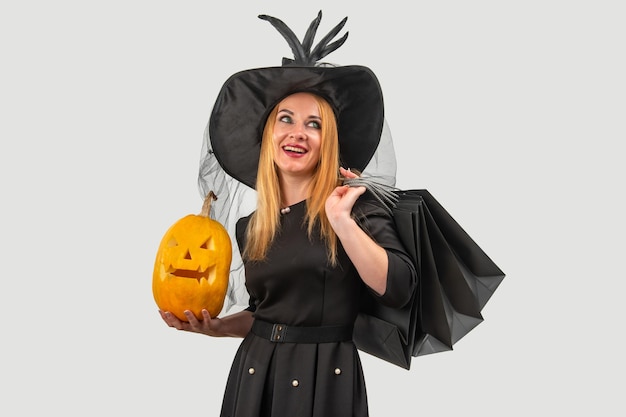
{"x":292,"y":113}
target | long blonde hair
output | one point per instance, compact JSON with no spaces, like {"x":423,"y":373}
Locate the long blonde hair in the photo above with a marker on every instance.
{"x":265,"y":222}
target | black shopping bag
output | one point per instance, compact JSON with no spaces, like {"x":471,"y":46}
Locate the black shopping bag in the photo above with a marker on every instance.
{"x":455,"y":280}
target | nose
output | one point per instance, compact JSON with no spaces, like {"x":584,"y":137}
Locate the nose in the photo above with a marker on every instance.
{"x":298,"y":132}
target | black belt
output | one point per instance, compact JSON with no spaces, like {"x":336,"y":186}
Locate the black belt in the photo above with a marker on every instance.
{"x":282,"y":333}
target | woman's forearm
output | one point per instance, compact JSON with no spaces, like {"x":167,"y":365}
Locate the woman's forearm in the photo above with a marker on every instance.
{"x":369,"y":259}
{"x":236,"y":325}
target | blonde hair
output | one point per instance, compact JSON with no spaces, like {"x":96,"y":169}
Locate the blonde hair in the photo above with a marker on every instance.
{"x":265,"y":222}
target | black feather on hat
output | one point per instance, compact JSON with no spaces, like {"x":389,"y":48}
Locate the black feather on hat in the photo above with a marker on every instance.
{"x":247,"y":98}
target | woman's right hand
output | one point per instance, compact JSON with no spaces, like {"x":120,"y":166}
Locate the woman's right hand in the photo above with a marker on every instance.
{"x":209,"y":326}
{"x":234,"y":325}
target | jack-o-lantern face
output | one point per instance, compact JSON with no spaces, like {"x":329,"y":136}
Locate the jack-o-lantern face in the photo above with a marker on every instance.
{"x":192,"y":266}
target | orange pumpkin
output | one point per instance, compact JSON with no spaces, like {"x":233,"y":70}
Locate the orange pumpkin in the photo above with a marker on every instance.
{"x":193,"y":265}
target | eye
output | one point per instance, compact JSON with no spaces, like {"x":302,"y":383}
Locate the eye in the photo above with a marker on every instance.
{"x":314,"y":124}
{"x":285,"y":119}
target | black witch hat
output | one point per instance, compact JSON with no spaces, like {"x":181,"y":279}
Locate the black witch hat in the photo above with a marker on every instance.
{"x":247,"y":97}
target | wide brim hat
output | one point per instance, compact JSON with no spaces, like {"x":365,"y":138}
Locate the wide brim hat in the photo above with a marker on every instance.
{"x":247,"y":97}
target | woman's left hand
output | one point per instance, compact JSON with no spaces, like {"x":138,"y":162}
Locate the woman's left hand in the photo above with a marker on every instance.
{"x":340,"y":202}
{"x":368,"y":257}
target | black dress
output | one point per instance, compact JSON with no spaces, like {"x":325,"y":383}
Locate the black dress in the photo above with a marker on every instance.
{"x":296,"y":286}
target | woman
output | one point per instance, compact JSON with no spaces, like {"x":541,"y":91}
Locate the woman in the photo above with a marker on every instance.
{"x":311,"y":247}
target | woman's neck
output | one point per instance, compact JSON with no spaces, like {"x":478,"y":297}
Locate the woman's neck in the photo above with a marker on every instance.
{"x":294,"y":190}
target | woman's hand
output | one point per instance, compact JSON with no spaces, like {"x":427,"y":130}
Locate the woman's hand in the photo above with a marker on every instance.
{"x":234,"y":325}
{"x":209,"y":326}
{"x":340,"y":202}
{"x":369,"y":259}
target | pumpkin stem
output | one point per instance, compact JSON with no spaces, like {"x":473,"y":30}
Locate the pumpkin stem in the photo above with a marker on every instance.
{"x":206,"y":207}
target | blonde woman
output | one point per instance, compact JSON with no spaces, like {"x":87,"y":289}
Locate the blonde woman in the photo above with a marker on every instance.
{"x":312,"y":246}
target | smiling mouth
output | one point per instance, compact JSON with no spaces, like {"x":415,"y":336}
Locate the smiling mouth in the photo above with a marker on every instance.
{"x":294,"y":149}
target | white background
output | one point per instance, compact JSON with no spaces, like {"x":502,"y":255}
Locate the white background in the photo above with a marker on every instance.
{"x":510,"y":113}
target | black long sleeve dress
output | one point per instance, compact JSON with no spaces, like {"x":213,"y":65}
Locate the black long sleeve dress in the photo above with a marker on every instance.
{"x":297,"y":286}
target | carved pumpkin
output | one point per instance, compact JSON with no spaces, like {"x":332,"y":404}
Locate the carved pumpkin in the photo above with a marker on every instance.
{"x":193,"y":265}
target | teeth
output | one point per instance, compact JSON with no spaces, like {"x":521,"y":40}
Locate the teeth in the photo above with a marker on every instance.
{"x":294,"y":149}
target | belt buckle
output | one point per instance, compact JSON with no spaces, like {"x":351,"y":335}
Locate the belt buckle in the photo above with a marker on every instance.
{"x":278,"y":333}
